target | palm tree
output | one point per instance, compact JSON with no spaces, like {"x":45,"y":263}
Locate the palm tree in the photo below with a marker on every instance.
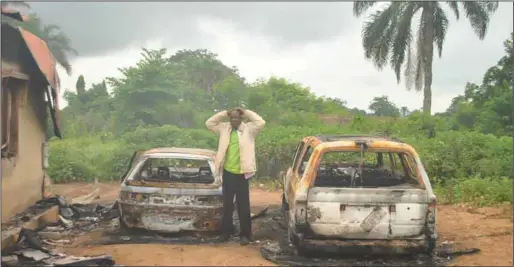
{"x":16,"y":4}
{"x":58,"y":43}
{"x":387,"y":37}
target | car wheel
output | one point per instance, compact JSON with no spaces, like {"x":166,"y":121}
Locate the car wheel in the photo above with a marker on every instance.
{"x":300,"y":249}
{"x":124,"y":228}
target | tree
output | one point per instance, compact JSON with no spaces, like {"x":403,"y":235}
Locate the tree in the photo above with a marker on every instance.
{"x":15,"y":4}
{"x":381,"y":106}
{"x":204,"y":69}
{"x":387,"y":37}
{"x":405,"y":111}
{"x":58,"y":43}
{"x":487,"y":107}
{"x":80,"y":86}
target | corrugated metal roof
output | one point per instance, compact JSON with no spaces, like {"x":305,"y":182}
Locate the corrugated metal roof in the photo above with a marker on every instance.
{"x":43,"y":57}
{"x":12,"y":13}
{"x":48,"y":66}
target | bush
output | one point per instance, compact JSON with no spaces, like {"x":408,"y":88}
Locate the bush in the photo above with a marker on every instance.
{"x":477,"y":191}
{"x":447,"y":156}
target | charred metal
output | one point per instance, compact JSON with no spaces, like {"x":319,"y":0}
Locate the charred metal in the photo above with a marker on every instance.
{"x":358,"y":188}
{"x":171,"y":190}
{"x":171,"y":218}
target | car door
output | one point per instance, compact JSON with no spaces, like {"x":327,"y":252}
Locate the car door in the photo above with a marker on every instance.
{"x":291,"y":176}
{"x":132,"y":162}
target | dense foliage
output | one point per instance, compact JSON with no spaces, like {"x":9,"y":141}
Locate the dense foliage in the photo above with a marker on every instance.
{"x":164,"y":101}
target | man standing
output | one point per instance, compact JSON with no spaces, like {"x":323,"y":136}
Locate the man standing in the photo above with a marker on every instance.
{"x":235,"y":158}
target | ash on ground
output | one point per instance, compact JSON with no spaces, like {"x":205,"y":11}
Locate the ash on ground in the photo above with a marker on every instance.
{"x":34,"y":246}
{"x":269,"y":227}
{"x":270,"y":233}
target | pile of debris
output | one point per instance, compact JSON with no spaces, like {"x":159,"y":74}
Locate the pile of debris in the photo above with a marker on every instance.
{"x":82,"y":215}
{"x":79,"y":217}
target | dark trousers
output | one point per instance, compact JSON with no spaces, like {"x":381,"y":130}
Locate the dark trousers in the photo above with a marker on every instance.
{"x":236,"y":184}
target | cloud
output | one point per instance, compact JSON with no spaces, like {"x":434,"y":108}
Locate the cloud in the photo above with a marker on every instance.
{"x":100,"y":28}
{"x":316,"y":44}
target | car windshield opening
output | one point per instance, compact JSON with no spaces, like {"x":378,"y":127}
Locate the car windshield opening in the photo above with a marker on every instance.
{"x":177,"y":170}
{"x":368,"y":170}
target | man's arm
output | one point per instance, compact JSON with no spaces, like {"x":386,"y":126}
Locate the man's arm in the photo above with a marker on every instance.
{"x":214,"y":122}
{"x":256,"y":122}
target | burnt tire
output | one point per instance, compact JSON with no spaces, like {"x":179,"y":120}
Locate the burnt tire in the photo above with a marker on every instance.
{"x":301,"y":251}
{"x":299,"y":248}
{"x":124,"y":228}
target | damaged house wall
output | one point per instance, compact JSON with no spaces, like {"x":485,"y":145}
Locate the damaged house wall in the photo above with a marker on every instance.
{"x":24,"y":111}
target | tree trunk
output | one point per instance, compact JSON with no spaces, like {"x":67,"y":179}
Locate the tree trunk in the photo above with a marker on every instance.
{"x":428,"y":52}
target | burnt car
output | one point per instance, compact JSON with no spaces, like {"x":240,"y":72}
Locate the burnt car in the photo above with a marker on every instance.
{"x":358,"y":189}
{"x":171,"y":190}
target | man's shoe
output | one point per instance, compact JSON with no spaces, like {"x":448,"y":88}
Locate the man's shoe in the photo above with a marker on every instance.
{"x":244,"y":241}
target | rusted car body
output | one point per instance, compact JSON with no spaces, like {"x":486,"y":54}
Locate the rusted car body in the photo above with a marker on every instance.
{"x":358,"y":188}
{"x":171,"y":190}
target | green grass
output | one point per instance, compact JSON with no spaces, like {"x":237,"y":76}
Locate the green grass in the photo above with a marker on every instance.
{"x":476,"y":191}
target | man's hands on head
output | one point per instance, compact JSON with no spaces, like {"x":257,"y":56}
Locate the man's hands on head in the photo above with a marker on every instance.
{"x":240,"y":110}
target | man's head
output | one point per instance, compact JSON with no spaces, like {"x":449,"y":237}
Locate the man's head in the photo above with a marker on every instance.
{"x":236,"y":117}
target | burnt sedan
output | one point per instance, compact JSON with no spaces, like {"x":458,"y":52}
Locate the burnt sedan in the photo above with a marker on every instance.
{"x":171,"y":190}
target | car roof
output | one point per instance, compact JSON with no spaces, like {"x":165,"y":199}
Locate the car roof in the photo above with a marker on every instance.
{"x":360,"y":137}
{"x":181,"y":150}
{"x":323,"y":142}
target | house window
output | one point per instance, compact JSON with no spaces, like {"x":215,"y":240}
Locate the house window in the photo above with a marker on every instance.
{"x":10,"y":116}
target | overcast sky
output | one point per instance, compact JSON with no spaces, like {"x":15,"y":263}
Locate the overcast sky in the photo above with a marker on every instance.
{"x":316,"y":44}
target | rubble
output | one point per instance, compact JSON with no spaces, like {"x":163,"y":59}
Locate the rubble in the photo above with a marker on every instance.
{"x":29,"y":250}
{"x":30,"y":247}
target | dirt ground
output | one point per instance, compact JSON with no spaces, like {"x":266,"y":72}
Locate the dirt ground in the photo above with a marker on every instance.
{"x":487,"y":228}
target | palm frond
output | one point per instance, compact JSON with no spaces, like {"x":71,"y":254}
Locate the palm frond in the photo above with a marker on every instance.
{"x":440,"y":27}
{"x":378,"y":33}
{"x":403,"y":36}
{"x":454,"y":7}
{"x":420,"y":56}
{"x":491,"y":6}
{"x":22,"y":4}
{"x":410,"y":66}
{"x":61,"y":58}
{"x":50,"y":28}
{"x":359,"y":7}
{"x":478,"y":15}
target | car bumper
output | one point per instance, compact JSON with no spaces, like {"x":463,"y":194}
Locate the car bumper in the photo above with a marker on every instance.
{"x":366,"y":246}
{"x":171,"y":218}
